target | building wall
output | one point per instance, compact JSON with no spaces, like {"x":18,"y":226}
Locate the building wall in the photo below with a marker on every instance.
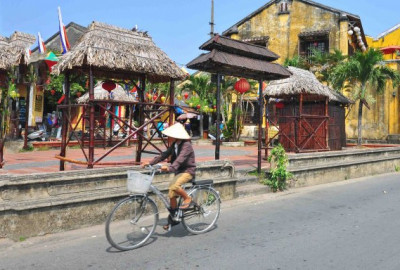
{"x":284,"y":29}
{"x":384,"y":116}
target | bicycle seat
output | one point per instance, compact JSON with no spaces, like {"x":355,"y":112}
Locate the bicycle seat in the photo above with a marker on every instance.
{"x":202,"y":182}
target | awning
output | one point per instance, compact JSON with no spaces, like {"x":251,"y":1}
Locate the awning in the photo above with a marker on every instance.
{"x":390,"y":49}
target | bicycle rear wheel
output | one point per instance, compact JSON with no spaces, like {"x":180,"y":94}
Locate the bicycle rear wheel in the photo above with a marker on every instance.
{"x":131,"y":222}
{"x":202,"y":217}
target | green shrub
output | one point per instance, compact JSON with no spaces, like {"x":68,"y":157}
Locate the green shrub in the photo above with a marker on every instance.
{"x":277,"y":176}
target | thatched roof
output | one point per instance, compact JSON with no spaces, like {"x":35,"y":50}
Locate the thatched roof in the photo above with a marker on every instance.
{"x":118,"y":94}
{"x":119,"y":53}
{"x":302,"y":82}
{"x":5,"y":57}
{"x":15,"y":50}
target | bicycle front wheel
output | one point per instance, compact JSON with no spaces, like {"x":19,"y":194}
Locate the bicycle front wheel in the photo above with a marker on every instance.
{"x":131,"y":222}
{"x":205,"y":213}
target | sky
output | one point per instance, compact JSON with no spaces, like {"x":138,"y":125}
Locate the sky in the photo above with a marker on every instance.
{"x":178,"y":27}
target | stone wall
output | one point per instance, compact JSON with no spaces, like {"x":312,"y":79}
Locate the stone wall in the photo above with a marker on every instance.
{"x":39,"y":204}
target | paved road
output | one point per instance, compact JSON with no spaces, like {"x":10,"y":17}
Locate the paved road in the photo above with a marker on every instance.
{"x":348,"y":225}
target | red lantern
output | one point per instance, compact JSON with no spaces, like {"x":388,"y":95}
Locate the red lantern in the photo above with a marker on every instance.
{"x":242,"y":86}
{"x":198,"y":106}
{"x":109,"y":85}
{"x":155,"y":97}
{"x":186,"y":95}
{"x":52,"y":92}
{"x":279,"y":105}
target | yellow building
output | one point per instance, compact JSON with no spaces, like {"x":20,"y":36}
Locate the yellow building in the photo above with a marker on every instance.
{"x":297,"y":27}
{"x":384,"y":115}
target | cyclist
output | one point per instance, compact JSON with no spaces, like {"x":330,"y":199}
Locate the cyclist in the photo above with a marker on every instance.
{"x":182,"y":164}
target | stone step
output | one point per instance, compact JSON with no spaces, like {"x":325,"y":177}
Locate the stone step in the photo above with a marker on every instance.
{"x":251,"y":190}
{"x":332,"y":158}
{"x":343,"y":170}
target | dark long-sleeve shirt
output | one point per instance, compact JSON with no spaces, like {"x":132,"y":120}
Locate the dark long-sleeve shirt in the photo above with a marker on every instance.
{"x":183,"y":161}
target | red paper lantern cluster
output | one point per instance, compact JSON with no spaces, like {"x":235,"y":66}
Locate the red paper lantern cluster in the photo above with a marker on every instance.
{"x":242,"y":86}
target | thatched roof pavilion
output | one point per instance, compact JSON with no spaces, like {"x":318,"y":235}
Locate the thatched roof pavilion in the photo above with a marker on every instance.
{"x":311,"y":116}
{"x":236,"y":58}
{"x":303,"y":82}
{"x":116,"y":52}
{"x":106,"y":51}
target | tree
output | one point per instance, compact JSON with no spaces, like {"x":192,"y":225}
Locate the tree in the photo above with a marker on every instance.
{"x":322,"y":64}
{"x":201,"y":85}
{"x":360,"y":72}
{"x":297,"y":61}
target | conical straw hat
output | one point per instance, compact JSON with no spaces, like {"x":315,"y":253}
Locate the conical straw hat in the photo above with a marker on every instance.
{"x":176,"y":131}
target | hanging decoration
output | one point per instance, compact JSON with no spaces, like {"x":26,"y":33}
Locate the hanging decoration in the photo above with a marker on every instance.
{"x":179,"y":97}
{"x":109,"y":85}
{"x":242,"y":86}
{"x":163,"y":99}
{"x":186,"y":95}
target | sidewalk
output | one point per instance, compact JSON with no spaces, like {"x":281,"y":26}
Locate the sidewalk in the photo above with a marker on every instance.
{"x":44,"y":161}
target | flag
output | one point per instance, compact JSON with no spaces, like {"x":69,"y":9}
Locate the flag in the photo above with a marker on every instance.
{"x":41,"y":46}
{"x":51,"y":60}
{"x":63,"y":34}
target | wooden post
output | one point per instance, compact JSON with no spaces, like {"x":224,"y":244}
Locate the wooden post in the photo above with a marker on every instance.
{"x":64,"y":128}
{"x":141,"y":118}
{"x":2,"y":120}
{"x":83,"y":126}
{"x":218,"y":139}
{"x":297,"y":140}
{"x":27,"y":108}
{"x":172,"y":109}
{"x":91,"y":119}
{"x":327,"y":122}
{"x":260,"y":120}
{"x":130,"y":122}
{"x":266,"y":129}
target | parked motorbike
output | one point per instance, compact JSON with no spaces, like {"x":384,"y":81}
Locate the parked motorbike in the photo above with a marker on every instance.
{"x":38,"y":135}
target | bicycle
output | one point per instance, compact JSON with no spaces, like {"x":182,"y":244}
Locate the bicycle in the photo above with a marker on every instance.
{"x":134,"y":219}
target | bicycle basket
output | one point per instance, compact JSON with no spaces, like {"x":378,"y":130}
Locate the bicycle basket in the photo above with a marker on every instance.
{"x":138,"y":182}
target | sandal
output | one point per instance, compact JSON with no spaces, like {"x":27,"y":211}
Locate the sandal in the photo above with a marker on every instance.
{"x":167,"y":227}
{"x":186,"y":205}
{"x":171,"y":223}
